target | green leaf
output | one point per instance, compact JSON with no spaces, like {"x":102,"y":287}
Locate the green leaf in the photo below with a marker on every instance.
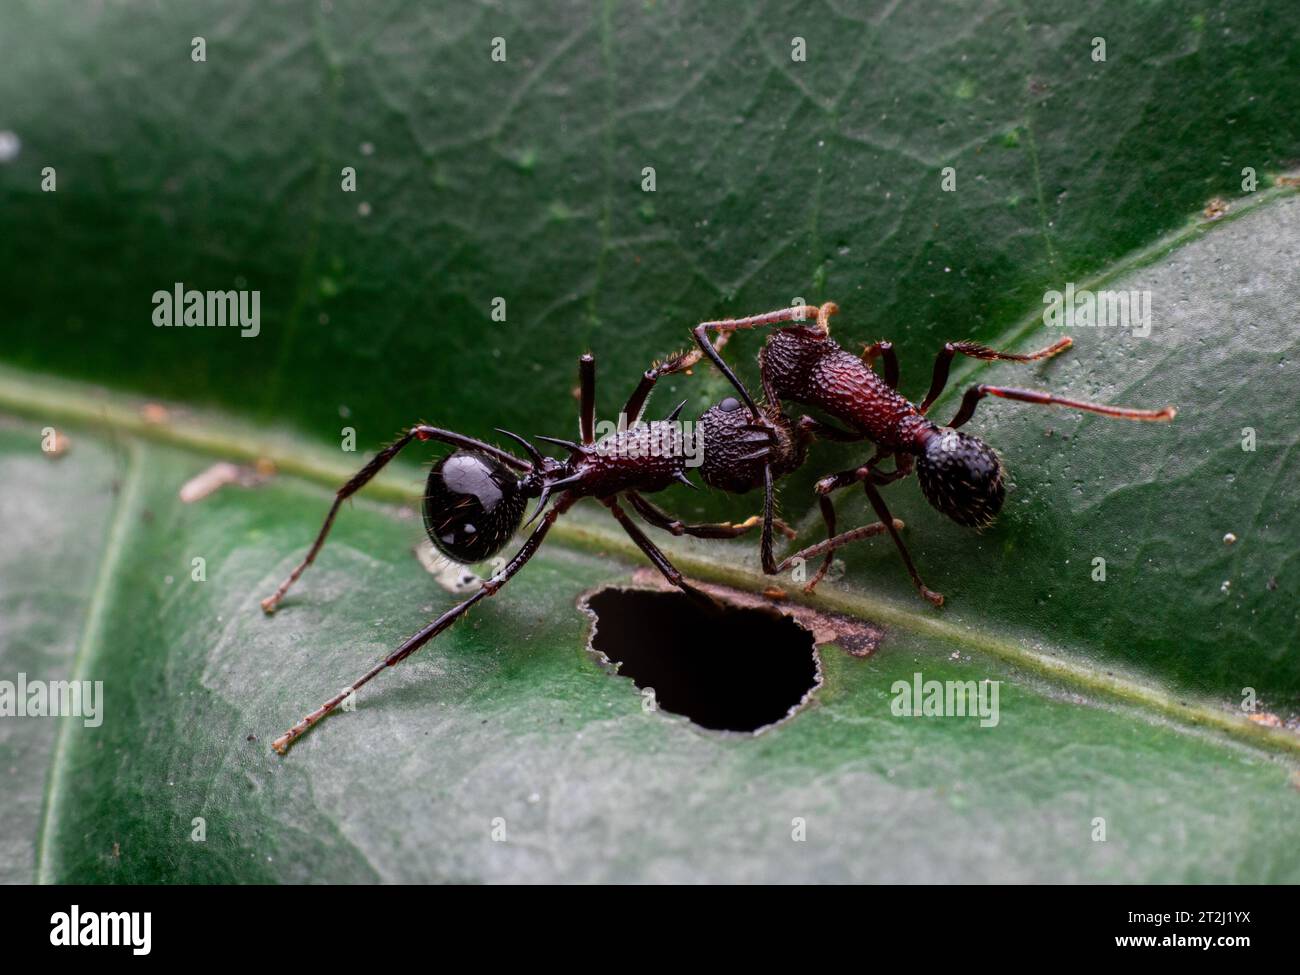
{"x":1120,"y":700}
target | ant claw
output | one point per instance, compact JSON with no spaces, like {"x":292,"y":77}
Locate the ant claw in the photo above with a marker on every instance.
{"x":936,"y":598}
{"x":784,"y":529}
{"x":815,"y":580}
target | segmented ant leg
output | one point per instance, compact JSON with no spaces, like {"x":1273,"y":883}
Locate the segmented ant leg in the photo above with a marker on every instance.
{"x":828,"y":546}
{"x":363,"y":477}
{"x":828,"y":516}
{"x":824,"y":314}
{"x":814,"y":429}
{"x":977,"y":393}
{"x":792,"y":313}
{"x":943,"y":361}
{"x":587,"y":397}
{"x":886,"y":349}
{"x":827,"y":486}
{"x":680,"y":362}
{"x":656,"y":516}
{"x":824,"y":488}
{"x":882,"y":512}
{"x":489,"y":588}
{"x":660,"y":561}
{"x":769,"y":522}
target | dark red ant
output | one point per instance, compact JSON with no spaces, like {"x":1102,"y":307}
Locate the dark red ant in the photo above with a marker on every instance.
{"x":475,"y":497}
{"x":960,"y":475}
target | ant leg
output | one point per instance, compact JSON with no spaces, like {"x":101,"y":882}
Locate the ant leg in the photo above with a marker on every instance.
{"x":656,"y":516}
{"x":977,"y":393}
{"x":813,"y":429}
{"x":769,"y":522}
{"x":489,"y":588}
{"x":882,"y":512}
{"x":824,"y":488}
{"x":679,"y":362}
{"x":943,"y":361}
{"x":669,"y":571}
{"x":587,"y":397}
{"x":824,"y":314}
{"x":792,"y":313}
{"x":363,"y":477}
{"x":828,"y":485}
{"x":902,"y":468}
{"x":885,"y":349}
{"x":828,"y":546}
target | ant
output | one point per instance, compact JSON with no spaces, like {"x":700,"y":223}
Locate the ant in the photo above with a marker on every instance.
{"x":959,"y":474}
{"x":475,"y":497}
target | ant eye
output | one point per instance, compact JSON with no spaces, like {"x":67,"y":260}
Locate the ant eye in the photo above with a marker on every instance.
{"x":472,"y":506}
{"x":729,"y":405}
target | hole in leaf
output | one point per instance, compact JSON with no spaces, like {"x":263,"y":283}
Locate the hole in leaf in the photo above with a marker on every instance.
{"x":738,"y":669}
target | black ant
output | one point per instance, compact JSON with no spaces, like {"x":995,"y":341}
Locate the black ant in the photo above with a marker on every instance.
{"x":960,"y":475}
{"x":475,"y":497}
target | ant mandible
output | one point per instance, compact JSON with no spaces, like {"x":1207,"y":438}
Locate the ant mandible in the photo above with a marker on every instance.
{"x":475,"y":497}
{"x":959,"y":474}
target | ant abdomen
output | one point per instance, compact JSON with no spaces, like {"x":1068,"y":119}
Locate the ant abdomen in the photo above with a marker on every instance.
{"x":473,"y":505}
{"x":962,"y":477}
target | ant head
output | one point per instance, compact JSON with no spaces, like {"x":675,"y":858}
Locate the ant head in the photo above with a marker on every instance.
{"x":734,"y":453}
{"x":473,"y":504}
{"x":961,"y":476}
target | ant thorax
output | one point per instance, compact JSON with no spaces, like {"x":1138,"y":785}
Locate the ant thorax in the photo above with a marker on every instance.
{"x":648,"y":456}
{"x":807,"y":367}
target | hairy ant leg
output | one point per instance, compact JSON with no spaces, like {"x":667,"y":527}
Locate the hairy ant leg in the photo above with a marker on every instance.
{"x":412,"y":644}
{"x":668,"y":570}
{"x":366,"y":474}
{"x":977,"y":393}
{"x":587,"y":397}
{"x":871,"y":478}
{"x":870,"y":353}
{"x":827,"y":486}
{"x":679,"y":362}
{"x":657,"y":516}
{"x":793,"y":313}
{"x":814,"y":429}
{"x":829,"y":546}
{"x":943,"y":362}
{"x":882,"y":512}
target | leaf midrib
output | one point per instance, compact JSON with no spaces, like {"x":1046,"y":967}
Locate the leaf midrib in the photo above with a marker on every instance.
{"x":115,"y":546}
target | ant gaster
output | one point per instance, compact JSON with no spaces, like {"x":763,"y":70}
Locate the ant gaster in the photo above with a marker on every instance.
{"x":959,"y":474}
{"x":475,"y":497}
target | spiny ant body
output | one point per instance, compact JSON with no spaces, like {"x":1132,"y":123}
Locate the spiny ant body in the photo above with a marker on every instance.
{"x":959,"y":474}
{"x":475,"y":497}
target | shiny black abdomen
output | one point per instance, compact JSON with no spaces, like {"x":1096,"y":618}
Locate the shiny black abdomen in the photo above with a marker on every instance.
{"x":472,"y":506}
